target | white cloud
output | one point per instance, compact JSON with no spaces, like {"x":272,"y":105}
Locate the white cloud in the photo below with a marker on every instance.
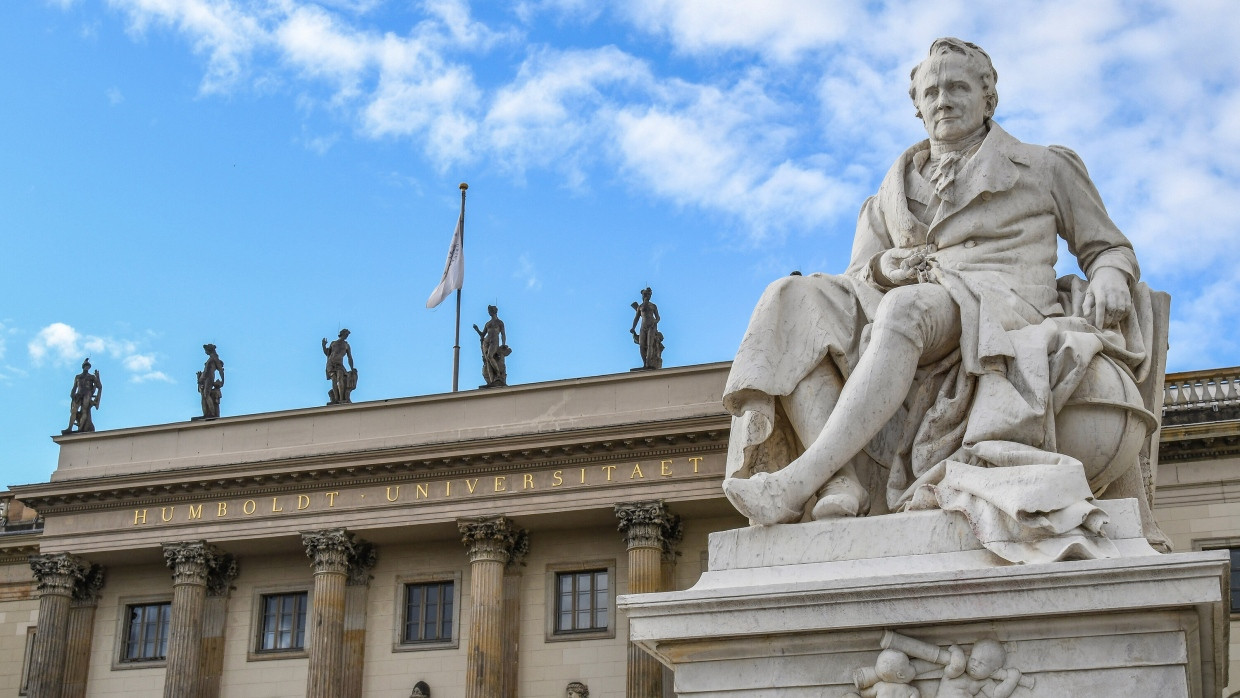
{"x":114,"y":96}
{"x":63,"y":345}
{"x":221,"y":30}
{"x":526,"y":273}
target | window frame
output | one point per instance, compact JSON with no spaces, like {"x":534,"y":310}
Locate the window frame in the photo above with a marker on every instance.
{"x":551,"y":607}
{"x":123,"y":605}
{"x":23,"y":686}
{"x":402,"y":584}
{"x":254,"y":651}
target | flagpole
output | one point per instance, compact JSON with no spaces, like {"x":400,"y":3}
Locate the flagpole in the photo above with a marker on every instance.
{"x":456,"y":347}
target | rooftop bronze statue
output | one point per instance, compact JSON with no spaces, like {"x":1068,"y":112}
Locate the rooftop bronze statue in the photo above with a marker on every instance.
{"x":649,"y":339}
{"x":947,"y":367}
{"x":85,"y":394}
{"x":343,"y":381}
{"x":495,"y":350}
{"x":209,"y":385}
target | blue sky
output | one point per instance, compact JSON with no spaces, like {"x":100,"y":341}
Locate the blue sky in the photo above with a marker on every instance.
{"x":262,"y":173}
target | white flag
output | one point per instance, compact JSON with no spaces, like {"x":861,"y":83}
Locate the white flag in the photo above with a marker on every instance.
{"x":454,"y":268}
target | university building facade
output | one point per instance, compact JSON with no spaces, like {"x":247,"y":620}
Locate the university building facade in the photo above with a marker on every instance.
{"x":468,"y":544}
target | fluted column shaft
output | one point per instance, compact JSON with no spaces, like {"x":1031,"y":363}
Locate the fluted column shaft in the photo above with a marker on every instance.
{"x":647,"y":527}
{"x":190,"y":564}
{"x":489,"y":543}
{"x":56,"y":576}
{"x":330,"y":551}
{"x":81,"y":632}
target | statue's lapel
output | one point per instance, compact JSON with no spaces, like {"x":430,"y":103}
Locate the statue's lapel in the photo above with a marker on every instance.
{"x":904,"y":227}
{"x":990,"y":170}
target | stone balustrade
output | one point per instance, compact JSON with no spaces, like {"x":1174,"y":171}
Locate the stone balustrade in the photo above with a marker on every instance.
{"x":1210,"y":389}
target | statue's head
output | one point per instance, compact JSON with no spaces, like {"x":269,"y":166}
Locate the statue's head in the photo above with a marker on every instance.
{"x":986,"y":658}
{"x":209,"y":348}
{"x":344,"y":334}
{"x":576,"y":689}
{"x":86,"y":365}
{"x":954,"y":89}
{"x":646,"y":293}
{"x":492,"y":310}
{"x":421,"y":690}
{"x":894,"y":666}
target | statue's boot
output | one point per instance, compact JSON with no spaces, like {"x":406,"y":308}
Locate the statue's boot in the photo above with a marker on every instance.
{"x":764,"y":498}
{"x":841,"y":496}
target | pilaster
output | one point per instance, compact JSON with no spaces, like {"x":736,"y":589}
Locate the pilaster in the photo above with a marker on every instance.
{"x":361,"y":562}
{"x":81,"y":631}
{"x":220,"y":576}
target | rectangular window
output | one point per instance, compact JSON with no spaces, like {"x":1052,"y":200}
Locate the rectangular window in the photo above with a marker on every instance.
{"x":428,"y":612}
{"x":26,"y":659}
{"x":146,"y":632}
{"x":282,"y":626}
{"x":582,"y":600}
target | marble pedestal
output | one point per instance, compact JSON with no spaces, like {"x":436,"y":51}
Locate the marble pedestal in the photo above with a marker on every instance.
{"x":793,"y":610}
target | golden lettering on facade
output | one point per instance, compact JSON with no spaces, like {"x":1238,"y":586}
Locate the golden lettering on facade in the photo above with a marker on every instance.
{"x":529,"y":481}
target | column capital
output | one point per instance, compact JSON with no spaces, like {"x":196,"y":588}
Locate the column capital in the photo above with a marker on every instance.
{"x":86,"y":591}
{"x":361,"y":561}
{"x":58,"y":573}
{"x":329,"y":550}
{"x":647,"y":524}
{"x":221,"y":571}
{"x":491,"y":538}
{"x":191,"y":561}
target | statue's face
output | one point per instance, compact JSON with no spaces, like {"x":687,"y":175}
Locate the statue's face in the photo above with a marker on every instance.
{"x":950,"y":98}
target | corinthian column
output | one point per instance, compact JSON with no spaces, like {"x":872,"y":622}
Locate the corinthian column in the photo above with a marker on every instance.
{"x":81,"y":631}
{"x":511,"y":632}
{"x":360,"y":563}
{"x":190,"y":564}
{"x":56,"y":575}
{"x":647,"y":528}
{"x":329,"y":551}
{"x":489,"y":543}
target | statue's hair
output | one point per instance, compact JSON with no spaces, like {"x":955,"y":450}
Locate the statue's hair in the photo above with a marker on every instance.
{"x":491,"y":307}
{"x":579,"y":687}
{"x":979,"y":62}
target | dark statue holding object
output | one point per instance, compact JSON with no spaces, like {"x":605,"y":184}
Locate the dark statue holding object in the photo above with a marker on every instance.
{"x":495,"y":350}
{"x":649,"y":339}
{"x":85,"y":394}
{"x":208,"y":385}
{"x":343,"y":381}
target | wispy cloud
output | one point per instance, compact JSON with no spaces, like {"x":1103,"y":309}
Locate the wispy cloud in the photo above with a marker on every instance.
{"x":61,"y":344}
{"x":114,"y":96}
{"x":526,"y":273}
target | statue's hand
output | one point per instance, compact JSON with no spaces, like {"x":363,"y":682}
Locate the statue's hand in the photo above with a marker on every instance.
{"x":1108,"y":299}
{"x":900,"y":265}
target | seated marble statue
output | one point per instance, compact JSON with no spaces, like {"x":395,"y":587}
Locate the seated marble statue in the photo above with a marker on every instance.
{"x":937,"y":371}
